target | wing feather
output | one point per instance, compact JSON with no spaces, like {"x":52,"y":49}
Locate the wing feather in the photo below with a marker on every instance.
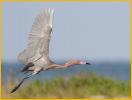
{"x":39,"y":38}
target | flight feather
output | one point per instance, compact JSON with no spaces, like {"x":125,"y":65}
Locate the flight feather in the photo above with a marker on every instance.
{"x":39,"y":38}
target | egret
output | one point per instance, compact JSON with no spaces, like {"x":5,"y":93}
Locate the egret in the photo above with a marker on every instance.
{"x":36,"y":56}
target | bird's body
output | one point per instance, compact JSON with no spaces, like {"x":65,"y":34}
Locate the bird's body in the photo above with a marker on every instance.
{"x":36,"y":56}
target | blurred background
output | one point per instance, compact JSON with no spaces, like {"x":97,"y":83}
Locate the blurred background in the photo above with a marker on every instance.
{"x":95,"y":32}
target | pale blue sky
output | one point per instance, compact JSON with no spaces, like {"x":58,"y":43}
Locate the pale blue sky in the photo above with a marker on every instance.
{"x":90,"y":31}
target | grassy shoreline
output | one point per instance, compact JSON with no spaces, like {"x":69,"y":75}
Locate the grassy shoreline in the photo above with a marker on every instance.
{"x":86,"y":85}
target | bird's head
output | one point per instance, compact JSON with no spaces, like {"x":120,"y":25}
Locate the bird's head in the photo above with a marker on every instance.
{"x":84,"y":62}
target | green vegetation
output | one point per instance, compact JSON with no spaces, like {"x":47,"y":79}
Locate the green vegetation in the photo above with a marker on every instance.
{"x":77,"y":86}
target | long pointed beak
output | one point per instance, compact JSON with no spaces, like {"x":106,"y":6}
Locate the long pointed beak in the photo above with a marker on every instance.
{"x":88,"y":63}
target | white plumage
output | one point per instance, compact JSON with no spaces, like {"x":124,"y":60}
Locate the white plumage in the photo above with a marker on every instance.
{"x":36,"y":56}
{"x":37,"y":50}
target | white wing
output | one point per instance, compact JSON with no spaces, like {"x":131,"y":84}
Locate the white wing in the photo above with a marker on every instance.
{"x":39,"y":38}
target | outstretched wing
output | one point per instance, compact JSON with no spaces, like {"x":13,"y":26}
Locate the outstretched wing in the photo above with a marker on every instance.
{"x":39,"y":38}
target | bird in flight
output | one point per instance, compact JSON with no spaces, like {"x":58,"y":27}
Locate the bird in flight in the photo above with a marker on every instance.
{"x":36,"y":56}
